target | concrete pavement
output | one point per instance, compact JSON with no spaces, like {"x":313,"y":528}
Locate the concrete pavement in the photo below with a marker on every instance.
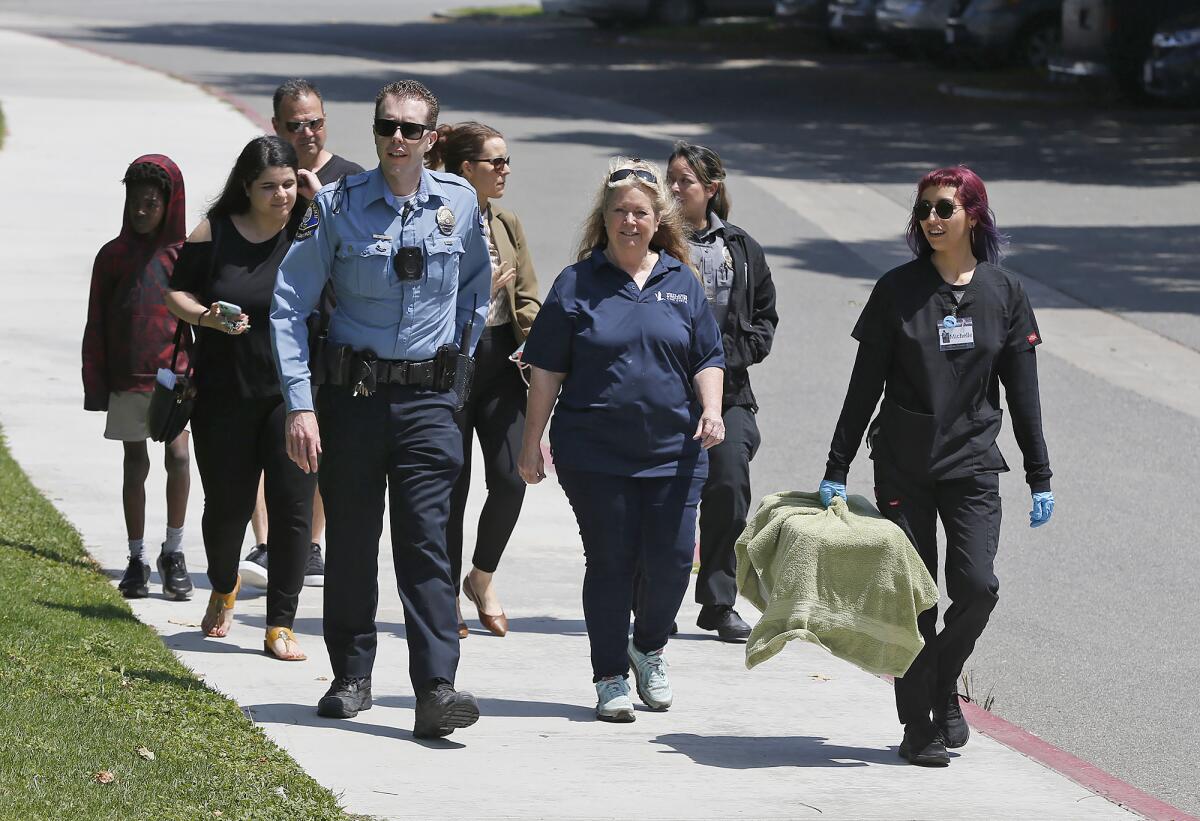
{"x":762,"y":744}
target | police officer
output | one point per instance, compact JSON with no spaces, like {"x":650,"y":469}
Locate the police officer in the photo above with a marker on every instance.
{"x":937,"y":337}
{"x":405,"y":250}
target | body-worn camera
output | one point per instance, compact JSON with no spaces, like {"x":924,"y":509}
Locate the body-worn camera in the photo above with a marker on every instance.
{"x":409,"y":262}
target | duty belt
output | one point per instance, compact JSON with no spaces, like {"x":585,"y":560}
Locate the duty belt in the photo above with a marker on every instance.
{"x":403,"y":372}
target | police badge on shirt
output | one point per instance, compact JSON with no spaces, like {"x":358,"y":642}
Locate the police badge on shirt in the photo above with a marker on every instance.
{"x":308,"y":225}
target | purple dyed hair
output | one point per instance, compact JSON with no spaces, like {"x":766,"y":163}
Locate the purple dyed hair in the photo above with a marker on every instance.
{"x":987,"y":243}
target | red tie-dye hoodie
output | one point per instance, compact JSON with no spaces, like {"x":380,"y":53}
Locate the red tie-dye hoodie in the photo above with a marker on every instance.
{"x":129,"y":331}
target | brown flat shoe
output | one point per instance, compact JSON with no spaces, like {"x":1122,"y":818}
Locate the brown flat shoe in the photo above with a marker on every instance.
{"x":284,"y":634}
{"x":496,"y":625}
{"x":218,"y":617}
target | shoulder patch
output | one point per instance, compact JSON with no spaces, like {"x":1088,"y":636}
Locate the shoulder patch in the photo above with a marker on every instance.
{"x":308,"y":225}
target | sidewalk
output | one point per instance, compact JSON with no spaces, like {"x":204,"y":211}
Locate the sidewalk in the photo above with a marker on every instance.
{"x":803,"y":736}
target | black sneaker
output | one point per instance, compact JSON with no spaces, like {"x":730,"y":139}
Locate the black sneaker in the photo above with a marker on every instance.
{"x":314,"y":571}
{"x":172,"y":569}
{"x":135,"y":584}
{"x":345,"y":698}
{"x":254,"y":567}
{"x":441,"y":710}
{"x":725,"y":620}
{"x":921,"y":749}
{"x":951,"y":722}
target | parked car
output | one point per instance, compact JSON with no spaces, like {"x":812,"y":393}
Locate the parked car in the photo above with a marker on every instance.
{"x":1019,"y":32}
{"x":851,"y":22}
{"x":1113,"y":40}
{"x":606,"y":13}
{"x":919,"y":26}
{"x":806,"y":13}
{"x":1173,"y":69}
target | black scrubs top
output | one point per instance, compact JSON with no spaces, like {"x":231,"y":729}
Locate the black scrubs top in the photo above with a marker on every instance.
{"x":627,"y":405}
{"x":941,"y":413}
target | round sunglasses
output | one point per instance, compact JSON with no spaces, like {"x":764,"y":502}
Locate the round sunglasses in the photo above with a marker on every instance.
{"x":944,"y":208}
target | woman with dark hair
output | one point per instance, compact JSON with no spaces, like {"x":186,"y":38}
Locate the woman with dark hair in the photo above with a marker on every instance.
{"x":496,"y":407}
{"x":741,"y":294}
{"x":628,"y":337}
{"x":223,"y":284}
{"x":937,"y":338}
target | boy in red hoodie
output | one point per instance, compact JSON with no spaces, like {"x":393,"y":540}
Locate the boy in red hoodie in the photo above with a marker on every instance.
{"x":128,"y":337}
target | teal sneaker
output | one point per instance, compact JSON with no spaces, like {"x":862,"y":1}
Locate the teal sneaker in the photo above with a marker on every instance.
{"x":650,"y":673}
{"x":612,"y":700}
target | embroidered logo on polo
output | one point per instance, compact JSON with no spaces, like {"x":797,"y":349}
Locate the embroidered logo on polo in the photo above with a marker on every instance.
{"x":670,"y":297}
{"x":308,"y":225}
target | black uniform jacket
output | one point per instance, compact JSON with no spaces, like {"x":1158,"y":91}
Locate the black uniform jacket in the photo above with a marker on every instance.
{"x":750,"y":325}
{"x":940,"y":414}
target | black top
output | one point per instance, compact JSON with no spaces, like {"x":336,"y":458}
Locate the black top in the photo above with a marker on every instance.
{"x":336,"y":168}
{"x":941,"y":413}
{"x":244,"y":274}
{"x":750,"y":326}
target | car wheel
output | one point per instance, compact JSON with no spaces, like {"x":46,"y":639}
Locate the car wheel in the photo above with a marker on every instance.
{"x":676,"y":12}
{"x":1036,"y":43}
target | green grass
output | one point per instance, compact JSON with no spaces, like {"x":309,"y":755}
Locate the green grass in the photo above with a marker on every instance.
{"x":517,"y":10}
{"x":3,"y":130}
{"x":84,"y":685}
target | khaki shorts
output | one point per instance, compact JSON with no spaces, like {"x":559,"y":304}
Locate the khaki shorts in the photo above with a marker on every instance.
{"x":127,"y":412}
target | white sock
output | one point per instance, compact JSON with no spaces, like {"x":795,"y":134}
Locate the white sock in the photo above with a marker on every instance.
{"x":174,"y":542}
{"x":137,"y":549}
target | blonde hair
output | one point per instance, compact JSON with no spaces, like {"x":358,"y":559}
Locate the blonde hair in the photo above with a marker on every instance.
{"x":669,"y":237}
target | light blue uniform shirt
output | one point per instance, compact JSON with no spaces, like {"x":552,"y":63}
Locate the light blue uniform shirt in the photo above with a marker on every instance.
{"x":375,"y":310}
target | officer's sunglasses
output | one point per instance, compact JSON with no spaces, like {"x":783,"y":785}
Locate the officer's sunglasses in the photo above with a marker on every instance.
{"x":498,"y":163}
{"x":944,"y":208}
{"x":296,"y":126}
{"x":640,"y":173}
{"x":409,"y":131}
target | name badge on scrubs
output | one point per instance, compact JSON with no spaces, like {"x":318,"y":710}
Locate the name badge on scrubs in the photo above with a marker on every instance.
{"x":958,"y":336}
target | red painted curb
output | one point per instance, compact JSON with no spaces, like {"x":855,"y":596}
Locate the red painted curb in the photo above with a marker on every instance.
{"x":1082,"y":773}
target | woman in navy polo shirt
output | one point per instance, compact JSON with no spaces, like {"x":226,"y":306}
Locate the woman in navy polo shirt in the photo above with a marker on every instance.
{"x":628,"y":347}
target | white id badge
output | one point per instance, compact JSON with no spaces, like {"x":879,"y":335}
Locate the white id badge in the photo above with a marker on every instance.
{"x":957,"y":337}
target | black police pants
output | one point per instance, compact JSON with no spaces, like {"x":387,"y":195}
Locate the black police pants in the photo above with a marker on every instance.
{"x":724,"y":505}
{"x":496,"y":411}
{"x":401,"y":441}
{"x":970,"y":512}
{"x":237,"y":440}
{"x":625,"y":523}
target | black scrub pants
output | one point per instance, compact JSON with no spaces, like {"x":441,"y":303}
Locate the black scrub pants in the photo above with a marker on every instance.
{"x":970,"y":512}
{"x":401,"y":441}
{"x":496,"y":411}
{"x":724,"y":505}
{"x":627,"y":523}
{"x":236,"y":441}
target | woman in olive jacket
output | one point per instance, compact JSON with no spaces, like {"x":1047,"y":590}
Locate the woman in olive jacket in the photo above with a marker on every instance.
{"x":496,"y":407}
{"x":740,"y":293}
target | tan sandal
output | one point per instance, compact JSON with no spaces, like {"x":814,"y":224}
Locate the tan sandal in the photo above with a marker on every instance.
{"x":285,"y":635}
{"x":218,"y":617}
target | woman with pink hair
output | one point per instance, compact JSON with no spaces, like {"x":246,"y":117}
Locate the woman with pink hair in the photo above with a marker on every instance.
{"x":936,"y":339}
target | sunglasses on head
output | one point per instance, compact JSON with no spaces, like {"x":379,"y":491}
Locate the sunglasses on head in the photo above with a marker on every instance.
{"x":640,"y":173}
{"x":498,"y":163}
{"x":409,"y":131}
{"x":296,"y":126}
{"x":944,"y":208}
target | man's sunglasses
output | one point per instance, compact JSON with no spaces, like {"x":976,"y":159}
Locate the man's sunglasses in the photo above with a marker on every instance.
{"x":296,"y":126}
{"x":409,"y":131}
{"x":944,"y":208}
{"x":498,"y":163}
{"x":640,"y":173}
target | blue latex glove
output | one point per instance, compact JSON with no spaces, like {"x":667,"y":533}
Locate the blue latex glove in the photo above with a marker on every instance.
{"x":1043,"y":508}
{"x":830,"y":489}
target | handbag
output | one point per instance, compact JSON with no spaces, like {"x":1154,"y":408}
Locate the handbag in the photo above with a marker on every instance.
{"x":171,"y":405}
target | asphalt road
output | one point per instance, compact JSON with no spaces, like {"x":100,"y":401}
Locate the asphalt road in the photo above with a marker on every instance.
{"x":1093,"y":645}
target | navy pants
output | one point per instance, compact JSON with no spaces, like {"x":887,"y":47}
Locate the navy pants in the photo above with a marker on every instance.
{"x":970,"y":512}
{"x":626,"y":523}
{"x":724,"y":505}
{"x":404,"y":441}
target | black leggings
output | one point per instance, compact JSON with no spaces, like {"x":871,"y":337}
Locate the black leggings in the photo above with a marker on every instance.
{"x":496,"y":411}
{"x":236,"y":440}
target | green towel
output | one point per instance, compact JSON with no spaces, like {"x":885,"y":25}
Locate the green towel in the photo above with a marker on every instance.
{"x":845,"y":578}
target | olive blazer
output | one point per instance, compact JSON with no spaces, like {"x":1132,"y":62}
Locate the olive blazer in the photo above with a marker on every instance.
{"x":523,"y":298}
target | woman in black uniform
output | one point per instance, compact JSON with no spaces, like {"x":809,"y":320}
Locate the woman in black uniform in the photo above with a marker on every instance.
{"x":937,"y":337}
{"x":237,"y":424}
